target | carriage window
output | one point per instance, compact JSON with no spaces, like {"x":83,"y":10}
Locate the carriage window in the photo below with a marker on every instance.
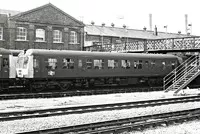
{"x":5,"y":62}
{"x":25,"y":64}
{"x":35,"y":63}
{"x":112,"y":64}
{"x":80,"y":64}
{"x":68,"y":63}
{"x":89,"y":64}
{"x":116,"y":63}
{"x":0,"y":62}
{"x":126,"y":64}
{"x":146,"y":63}
{"x":135,"y":65}
{"x":153,"y":63}
{"x":52,"y":63}
{"x":98,"y":64}
{"x":163,"y":65}
{"x":173,"y":64}
{"x":140,"y":64}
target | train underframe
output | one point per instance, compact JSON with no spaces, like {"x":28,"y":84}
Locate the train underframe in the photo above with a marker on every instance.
{"x":84,"y":83}
{"x":11,"y":84}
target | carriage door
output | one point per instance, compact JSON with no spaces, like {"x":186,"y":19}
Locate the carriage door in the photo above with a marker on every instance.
{"x":81,"y":66}
{"x":5,"y":66}
{"x":0,"y":66}
{"x":36,"y":66}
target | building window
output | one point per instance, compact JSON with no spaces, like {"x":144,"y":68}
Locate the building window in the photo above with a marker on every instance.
{"x":1,"y":33}
{"x":57,"y":36}
{"x":40,"y":35}
{"x":21,"y":33}
{"x":73,"y":37}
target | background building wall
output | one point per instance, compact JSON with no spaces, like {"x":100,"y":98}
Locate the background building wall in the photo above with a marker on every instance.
{"x":48,"y":18}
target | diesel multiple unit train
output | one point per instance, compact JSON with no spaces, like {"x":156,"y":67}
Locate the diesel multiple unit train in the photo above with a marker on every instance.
{"x":8,"y":60}
{"x":38,"y":69}
{"x":43,"y":69}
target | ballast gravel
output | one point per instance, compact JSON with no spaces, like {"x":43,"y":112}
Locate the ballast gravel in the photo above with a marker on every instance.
{"x":27,"y":104}
{"x":75,"y":119}
{"x":25,"y":125}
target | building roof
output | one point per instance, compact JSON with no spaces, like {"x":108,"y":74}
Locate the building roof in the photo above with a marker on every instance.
{"x":130,"y":33}
{"x":3,"y":18}
{"x":9,"y":12}
{"x":44,"y":14}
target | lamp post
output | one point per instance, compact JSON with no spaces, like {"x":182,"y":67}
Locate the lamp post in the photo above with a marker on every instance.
{"x":102,"y":31}
{"x":126,"y":36}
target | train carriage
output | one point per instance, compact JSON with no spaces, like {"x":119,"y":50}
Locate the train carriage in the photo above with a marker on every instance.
{"x":65,"y":68}
{"x":8,"y":67}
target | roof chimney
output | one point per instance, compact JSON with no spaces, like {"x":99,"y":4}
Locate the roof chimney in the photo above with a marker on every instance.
{"x":112,"y":24}
{"x":103,"y":24}
{"x":92,"y":22}
{"x":124,"y":26}
{"x":145,"y":29}
{"x":186,"y":23}
{"x":156,"y":31}
{"x":150,"y":21}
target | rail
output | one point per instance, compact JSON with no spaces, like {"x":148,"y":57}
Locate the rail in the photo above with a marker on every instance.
{"x":126,"y":124}
{"x":16,"y":115}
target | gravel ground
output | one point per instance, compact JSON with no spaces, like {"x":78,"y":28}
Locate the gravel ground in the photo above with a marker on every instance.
{"x":23,"y":104}
{"x":68,"y":120}
{"x":184,"y":128}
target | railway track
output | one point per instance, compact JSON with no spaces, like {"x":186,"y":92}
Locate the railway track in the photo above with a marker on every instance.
{"x":5,"y":116}
{"x":127,"y":124}
{"x":77,"y":93}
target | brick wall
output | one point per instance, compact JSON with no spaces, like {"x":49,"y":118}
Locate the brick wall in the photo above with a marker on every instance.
{"x":48,"y":18}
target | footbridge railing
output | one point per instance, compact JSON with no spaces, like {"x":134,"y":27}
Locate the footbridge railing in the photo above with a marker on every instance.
{"x":167,"y":44}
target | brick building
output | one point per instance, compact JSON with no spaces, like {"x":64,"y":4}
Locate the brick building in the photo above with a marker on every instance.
{"x":45,"y":27}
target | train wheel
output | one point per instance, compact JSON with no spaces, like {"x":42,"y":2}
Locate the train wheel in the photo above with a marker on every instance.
{"x":38,"y":87}
{"x":65,"y":86}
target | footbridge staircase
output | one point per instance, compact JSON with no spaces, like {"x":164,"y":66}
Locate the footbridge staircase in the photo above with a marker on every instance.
{"x":181,"y":76}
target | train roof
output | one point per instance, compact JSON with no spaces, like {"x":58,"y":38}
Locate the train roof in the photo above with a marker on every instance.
{"x":9,"y":51}
{"x":96,"y":54}
{"x":15,"y":51}
{"x":4,"y":51}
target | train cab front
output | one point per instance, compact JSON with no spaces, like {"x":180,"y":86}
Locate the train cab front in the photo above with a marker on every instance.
{"x":23,"y":66}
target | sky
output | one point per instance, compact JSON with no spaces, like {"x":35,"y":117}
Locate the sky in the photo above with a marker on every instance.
{"x":133,"y":13}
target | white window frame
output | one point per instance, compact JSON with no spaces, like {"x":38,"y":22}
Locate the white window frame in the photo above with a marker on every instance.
{"x":40,"y":35}
{"x":73,"y":37}
{"x":57,"y":36}
{"x":1,"y":33}
{"x":21,"y":34}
